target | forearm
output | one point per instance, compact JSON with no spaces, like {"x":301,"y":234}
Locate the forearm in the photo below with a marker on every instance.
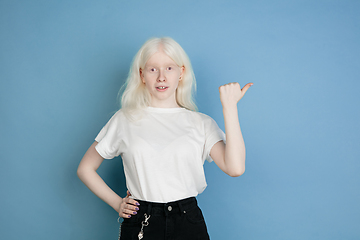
{"x":235,"y":146}
{"x":97,"y":185}
{"x":88,"y":175}
{"x":231,"y":157}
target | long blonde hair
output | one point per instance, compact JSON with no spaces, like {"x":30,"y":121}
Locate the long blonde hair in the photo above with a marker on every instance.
{"x":135,"y":95}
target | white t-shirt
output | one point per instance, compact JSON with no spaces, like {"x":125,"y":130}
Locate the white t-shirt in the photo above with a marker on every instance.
{"x":163,"y":152}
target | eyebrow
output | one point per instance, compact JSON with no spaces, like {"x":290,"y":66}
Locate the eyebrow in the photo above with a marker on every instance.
{"x":154,"y":64}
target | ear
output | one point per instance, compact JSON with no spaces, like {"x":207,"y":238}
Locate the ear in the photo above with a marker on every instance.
{"x":141,"y":75}
{"x":182,"y":70}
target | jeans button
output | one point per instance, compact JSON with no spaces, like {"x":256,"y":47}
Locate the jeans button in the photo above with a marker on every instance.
{"x":169,"y":208}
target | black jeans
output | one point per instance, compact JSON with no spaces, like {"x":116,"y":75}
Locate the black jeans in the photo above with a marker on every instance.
{"x":177,"y":220}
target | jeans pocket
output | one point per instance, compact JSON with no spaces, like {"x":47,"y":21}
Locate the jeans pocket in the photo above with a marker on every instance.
{"x":135,"y":219}
{"x":194,"y":215}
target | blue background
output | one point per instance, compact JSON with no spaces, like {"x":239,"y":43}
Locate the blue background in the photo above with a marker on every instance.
{"x":62,"y":63}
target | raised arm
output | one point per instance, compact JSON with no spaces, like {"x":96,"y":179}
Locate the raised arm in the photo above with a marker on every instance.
{"x":230,"y":158}
{"x":88,"y":175}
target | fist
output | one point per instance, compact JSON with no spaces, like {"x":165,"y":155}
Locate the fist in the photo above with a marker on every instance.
{"x":230,"y":94}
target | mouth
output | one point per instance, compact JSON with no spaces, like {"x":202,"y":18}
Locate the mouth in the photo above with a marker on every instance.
{"x":161,"y":88}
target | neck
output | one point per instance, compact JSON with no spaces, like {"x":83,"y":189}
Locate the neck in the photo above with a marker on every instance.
{"x":159,"y":104}
{"x":164,"y":103}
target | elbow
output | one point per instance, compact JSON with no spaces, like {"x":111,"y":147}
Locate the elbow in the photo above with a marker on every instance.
{"x":236,"y":173}
{"x":80,"y":172}
{"x":84,"y":171}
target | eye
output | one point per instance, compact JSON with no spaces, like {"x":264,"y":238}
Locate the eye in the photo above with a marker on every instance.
{"x":169,"y":68}
{"x":152,"y":69}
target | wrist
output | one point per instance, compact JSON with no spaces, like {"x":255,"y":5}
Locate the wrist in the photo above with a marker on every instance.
{"x":230,"y":107}
{"x":116,"y":204}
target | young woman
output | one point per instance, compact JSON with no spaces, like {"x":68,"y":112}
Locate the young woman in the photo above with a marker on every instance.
{"x":163,"y":142}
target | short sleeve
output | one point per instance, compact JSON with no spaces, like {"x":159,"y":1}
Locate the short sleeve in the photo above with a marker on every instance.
{"x":213,"y":134}
{"x":109,"y":139}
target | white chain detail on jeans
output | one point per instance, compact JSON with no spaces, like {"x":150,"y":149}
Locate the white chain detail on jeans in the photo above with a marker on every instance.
{"x":143,"y":224}
{"x":120,"y":222}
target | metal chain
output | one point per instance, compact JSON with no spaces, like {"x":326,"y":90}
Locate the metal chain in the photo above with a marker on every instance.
{"x":144,"y":223}
{"x":120,"y":222}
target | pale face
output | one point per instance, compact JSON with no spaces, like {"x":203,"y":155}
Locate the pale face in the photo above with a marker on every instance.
{"x":161,"y":75}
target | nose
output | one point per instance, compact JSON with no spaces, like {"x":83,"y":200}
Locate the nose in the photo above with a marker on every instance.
{"x":161,"y":77}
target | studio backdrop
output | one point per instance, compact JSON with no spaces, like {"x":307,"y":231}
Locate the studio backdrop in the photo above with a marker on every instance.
{"x":63,"y":62}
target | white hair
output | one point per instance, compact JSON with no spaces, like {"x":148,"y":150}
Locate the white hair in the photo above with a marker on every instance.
{"x":135,"y":95}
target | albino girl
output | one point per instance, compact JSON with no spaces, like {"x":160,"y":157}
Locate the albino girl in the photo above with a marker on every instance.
{"x":163,"y":142}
